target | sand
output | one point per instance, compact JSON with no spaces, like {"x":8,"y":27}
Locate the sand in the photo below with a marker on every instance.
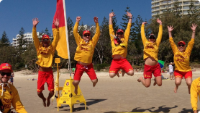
{"x":111,"y":95}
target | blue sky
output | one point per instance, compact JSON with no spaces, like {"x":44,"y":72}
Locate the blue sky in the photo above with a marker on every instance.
{"x":15,"y":14}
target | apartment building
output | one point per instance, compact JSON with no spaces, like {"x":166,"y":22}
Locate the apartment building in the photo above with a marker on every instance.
{"x":159,"y":6}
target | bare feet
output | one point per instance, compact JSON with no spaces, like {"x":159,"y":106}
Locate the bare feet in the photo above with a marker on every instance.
{"x":94,"y":83}
{"x":48,"y":102}
{"x":175,"y":89}
{"x":44,"y":102}
{"x":154,"y":82}
{"x":140,"y":79}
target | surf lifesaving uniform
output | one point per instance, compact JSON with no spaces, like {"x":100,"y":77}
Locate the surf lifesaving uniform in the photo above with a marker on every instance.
{"x":182,"y":59}
{"x":9,"y":97}
{"x":151,"y":50}
{"x":195,"y":93}
{"x":84,"y":53}
{"x":45,"y":59}
{"x":121,"y":50}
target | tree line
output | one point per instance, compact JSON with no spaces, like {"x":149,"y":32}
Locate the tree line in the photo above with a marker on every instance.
{"x":20,"y":56}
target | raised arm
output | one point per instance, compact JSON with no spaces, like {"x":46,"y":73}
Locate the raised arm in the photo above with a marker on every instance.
{"x":127,"y":32}
{"x":56,"y":32}
{"x":144,"y":39}
{"x":159,"y":38}
{"x":111,"y":31}
{"x":34,"y":33}
{"x":191,"y":43}
{"x":194,"y":95}
{"x":171,"y":41}
{"x":193,"y":27}
{"x":97,"y":34}
{"x":75,"y":31}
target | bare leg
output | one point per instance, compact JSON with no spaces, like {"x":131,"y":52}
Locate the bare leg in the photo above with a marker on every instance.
{"x":117,"y":74}
{"x":145,"y":82}
{"x":188,"y":82}
{"x":123,"y":72}
{"x":113,"y":75}
{"x":51,"y":93}
{"x":131,"y":73}
{"x":154,"y":82}
{"x":177,"y":83}
{"x":94,"y":82}
{"x":158,"y":81}
{"x":75,"y":83}
{"x":40,"y":94}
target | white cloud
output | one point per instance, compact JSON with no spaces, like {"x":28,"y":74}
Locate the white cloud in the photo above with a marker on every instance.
{"x":1,"y":1}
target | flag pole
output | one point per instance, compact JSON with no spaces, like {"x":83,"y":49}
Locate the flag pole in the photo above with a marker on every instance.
{"x":67,"y":37}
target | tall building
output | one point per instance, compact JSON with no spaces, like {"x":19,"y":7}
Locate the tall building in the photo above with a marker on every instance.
{"x":159,"y":6}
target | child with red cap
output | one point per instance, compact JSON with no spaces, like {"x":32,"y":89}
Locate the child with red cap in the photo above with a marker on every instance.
{"x":9,"y":94}
{"x":182,"y":59}
{"x":45,"y":54}
{"x":119,"y":43}
{"x":151,"y":65}
{"x":84,"y":53}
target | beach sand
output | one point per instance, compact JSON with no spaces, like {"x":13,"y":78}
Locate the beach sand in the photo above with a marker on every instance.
{"x":111,"y":95}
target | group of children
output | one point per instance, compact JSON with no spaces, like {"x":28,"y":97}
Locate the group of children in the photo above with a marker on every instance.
{"x":119,"y":43}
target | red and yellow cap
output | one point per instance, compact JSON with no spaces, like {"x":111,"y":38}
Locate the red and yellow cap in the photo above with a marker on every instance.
{"x":5,"y":66}
{"x":181,"y":42}
{"x":86,"y":32}
{"x":45,"y":36}
{"x":119,"y":31}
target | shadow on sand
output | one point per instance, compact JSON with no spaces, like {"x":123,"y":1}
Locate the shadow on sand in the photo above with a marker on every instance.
{"x":138,"y":109}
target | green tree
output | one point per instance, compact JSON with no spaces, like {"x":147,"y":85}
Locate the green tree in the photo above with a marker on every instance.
{"x":4,"y":41}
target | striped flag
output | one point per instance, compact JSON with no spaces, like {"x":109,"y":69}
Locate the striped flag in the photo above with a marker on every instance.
{"x":63,"y":45}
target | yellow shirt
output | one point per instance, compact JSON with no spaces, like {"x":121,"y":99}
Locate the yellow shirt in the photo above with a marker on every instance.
{"x":85,"y":51}
{"x":45,"y":54}
{"x":151,"y":49}
{"x":118,"y":49}
{"x":182,"y":59}
{"x":195,"y":92}
{"x":11,"y":96}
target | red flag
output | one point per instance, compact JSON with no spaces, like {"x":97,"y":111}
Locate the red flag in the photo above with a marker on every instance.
{"x":63,"y":45}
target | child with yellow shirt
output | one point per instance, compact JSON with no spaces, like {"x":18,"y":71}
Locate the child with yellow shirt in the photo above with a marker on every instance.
{"x":84,"y":53}
{"x":151,"y":56}
{"x":182,"y":59}
{"x":119,"y":43}
{"x":45,"y":53}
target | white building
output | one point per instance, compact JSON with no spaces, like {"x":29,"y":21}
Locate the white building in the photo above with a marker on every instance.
{"x":159,"y":6}
{"x":27,"y":36}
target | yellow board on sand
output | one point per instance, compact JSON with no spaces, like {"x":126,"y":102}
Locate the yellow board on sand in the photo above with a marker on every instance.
{"x":69,"y":97}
